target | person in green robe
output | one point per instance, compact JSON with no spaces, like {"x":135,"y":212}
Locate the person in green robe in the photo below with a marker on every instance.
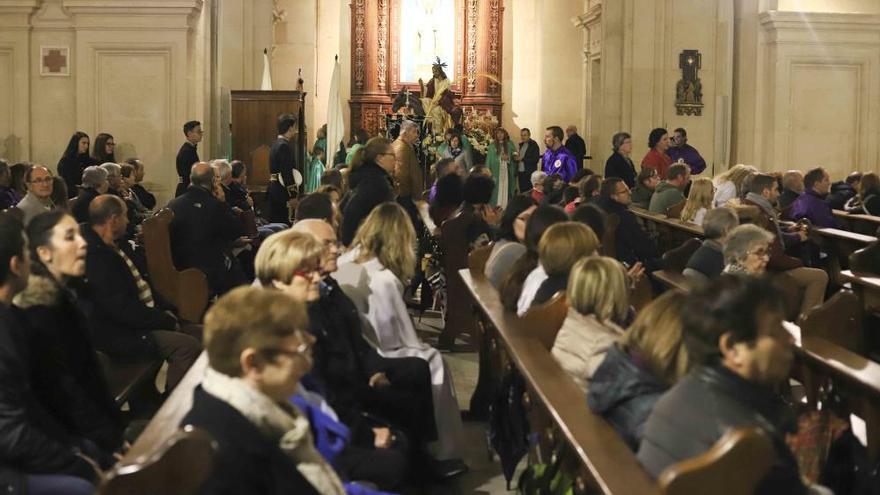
{"x":502,"y":159}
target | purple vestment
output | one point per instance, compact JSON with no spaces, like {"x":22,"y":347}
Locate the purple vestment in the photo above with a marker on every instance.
{"x":561,"y":162}
{"x":689,"y":155}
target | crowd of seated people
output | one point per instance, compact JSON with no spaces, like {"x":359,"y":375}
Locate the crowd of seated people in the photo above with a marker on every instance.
{"x":323,"y":339}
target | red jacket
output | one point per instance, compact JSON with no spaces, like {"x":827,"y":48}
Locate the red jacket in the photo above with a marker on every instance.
{"x":658,"y":161}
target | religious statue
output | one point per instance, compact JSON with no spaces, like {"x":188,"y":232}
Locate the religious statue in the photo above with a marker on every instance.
{"x":689,"y":89}
{"x":441,"y":112}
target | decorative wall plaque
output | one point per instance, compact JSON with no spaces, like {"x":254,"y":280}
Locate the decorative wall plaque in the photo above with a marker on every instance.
{"x":689,"y":90}
{"x":54,"y":61}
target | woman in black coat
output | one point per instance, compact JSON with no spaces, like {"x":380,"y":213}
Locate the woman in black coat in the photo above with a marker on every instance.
{"x":65,"y":371}
{"x":74,"y":160}
{"x":619,"y":164}
{"x":371,"y":183}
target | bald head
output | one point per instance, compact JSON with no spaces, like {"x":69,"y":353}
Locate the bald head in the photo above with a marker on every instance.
{"x":323,"y":232}
{"x":202,"y":175}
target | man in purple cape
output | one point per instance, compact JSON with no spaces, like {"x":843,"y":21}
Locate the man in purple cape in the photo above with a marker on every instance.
{"x":558,"y":159}
{"x":685,"y":152}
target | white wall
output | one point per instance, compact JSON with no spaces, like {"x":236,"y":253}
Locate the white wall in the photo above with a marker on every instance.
{"x":131,"y":74}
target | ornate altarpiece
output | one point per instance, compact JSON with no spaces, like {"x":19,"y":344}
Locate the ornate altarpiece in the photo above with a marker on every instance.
{"x":376,"y":51}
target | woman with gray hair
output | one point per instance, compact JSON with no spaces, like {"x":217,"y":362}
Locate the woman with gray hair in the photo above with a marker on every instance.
{"x":707,"y":262}
{"x":619,"y":163}
{"x":747,"y":250}
{"x":94,"y":183}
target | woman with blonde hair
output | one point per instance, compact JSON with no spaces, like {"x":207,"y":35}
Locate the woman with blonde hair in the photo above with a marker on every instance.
{"x":559,"y":249}
{"x":729,"y":184}
{"x":373,"y":273}
{"x":648,"y":359}
{"x":699,"y":201}
{"x":290,"y":262}
{"x":597,"y":299}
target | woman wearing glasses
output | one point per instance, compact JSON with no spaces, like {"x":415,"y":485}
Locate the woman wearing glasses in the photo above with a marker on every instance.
{"x":258,"y":351}
{"x":747,"y":250}
{"x":371,"y":183}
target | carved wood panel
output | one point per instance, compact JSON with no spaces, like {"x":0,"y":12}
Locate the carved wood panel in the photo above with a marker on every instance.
{"x":375,"y":53}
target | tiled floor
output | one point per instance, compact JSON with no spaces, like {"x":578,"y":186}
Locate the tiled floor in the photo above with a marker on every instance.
{"x":484,"y":476}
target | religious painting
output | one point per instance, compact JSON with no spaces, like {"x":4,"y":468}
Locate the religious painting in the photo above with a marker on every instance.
{"x":689,"y":89}
{"x":54,"y":61}
{"x":427,"y":31}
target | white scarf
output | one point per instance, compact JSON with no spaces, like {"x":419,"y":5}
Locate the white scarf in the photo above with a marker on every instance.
{"x":283,"y":423}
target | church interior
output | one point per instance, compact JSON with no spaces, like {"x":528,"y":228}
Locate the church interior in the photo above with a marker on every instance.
{"x":439,"y":246}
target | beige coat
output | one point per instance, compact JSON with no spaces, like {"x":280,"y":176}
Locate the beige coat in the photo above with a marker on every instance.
{"x":581,"y":344}
{"x":408,"y":173}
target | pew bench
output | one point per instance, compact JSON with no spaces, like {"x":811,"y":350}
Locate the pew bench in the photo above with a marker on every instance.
{"x":124,"y":378}
{"x":166,"y":421}
{"x":587,"y":447}
{"x":857,"y":222}
{"x":672,"y":280}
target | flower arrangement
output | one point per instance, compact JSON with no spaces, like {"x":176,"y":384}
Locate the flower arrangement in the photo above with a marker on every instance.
{"x":478,"y":129}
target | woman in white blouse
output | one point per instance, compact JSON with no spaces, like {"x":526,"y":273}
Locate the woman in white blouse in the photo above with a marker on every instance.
{"x":728,"y":185}
{"x":372,"y":274}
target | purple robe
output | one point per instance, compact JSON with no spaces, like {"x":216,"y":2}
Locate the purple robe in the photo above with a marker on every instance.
{"x":561,"y":162}
{"x":689,"y":155}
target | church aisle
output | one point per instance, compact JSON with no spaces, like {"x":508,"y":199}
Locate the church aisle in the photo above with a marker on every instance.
{"x":485,"y":475}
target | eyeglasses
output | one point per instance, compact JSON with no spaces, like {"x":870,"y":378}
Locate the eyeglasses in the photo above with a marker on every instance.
{"x":306,"y":274}
{"x":298,"y":351}
{"x":44,"y":180}
{"x":623,"y":191}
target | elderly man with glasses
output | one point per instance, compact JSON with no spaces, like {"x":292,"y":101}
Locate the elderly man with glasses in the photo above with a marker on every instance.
{"x":39,"y":196}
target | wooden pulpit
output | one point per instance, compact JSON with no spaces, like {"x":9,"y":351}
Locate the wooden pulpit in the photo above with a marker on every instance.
{"x":255,"y":127}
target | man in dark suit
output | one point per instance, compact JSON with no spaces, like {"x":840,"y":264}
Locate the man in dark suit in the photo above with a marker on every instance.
{"x":203,"y":231}
{"x":94,"y":183}
{"x":282,"y":159}
{"x":576,"y":145}
{"x":530,"y":154}
{"x":125,"y":320}
{"x":188,"y":155}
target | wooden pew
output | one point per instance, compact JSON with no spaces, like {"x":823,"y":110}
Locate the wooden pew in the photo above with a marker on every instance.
{"x":178,"y":467}
{"x":856,"y":222}
{"x":166,"y":421}
{"x":188,"y":289}
{"x":453,"y":242}
{"x":593,"y":454}
{"x":672,"y":280}
{"x":839,"y":244}
{"x":124,"y":378}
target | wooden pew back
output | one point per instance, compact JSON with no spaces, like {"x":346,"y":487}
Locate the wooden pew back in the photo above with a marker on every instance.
{"x":454,"y":243}
{"x":722,"y":466}
{"x":178,"y":467}
{"x":543,"y":322}
{"x":592,"y":453}
{"x":188,"y":289}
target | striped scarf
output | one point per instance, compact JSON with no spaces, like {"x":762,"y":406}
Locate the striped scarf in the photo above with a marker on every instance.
{"x":144,"y":293}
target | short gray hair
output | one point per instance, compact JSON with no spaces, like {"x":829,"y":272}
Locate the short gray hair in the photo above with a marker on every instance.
{"x":406,"y":125}
{"x":618,"y":139}
{"x":741,"y":240}
{"x":538,"y":177}
{"x":718,"y":222}
{"x":94,"y":176}
{"x":223,"y":168}
{"x":112,"y":168}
